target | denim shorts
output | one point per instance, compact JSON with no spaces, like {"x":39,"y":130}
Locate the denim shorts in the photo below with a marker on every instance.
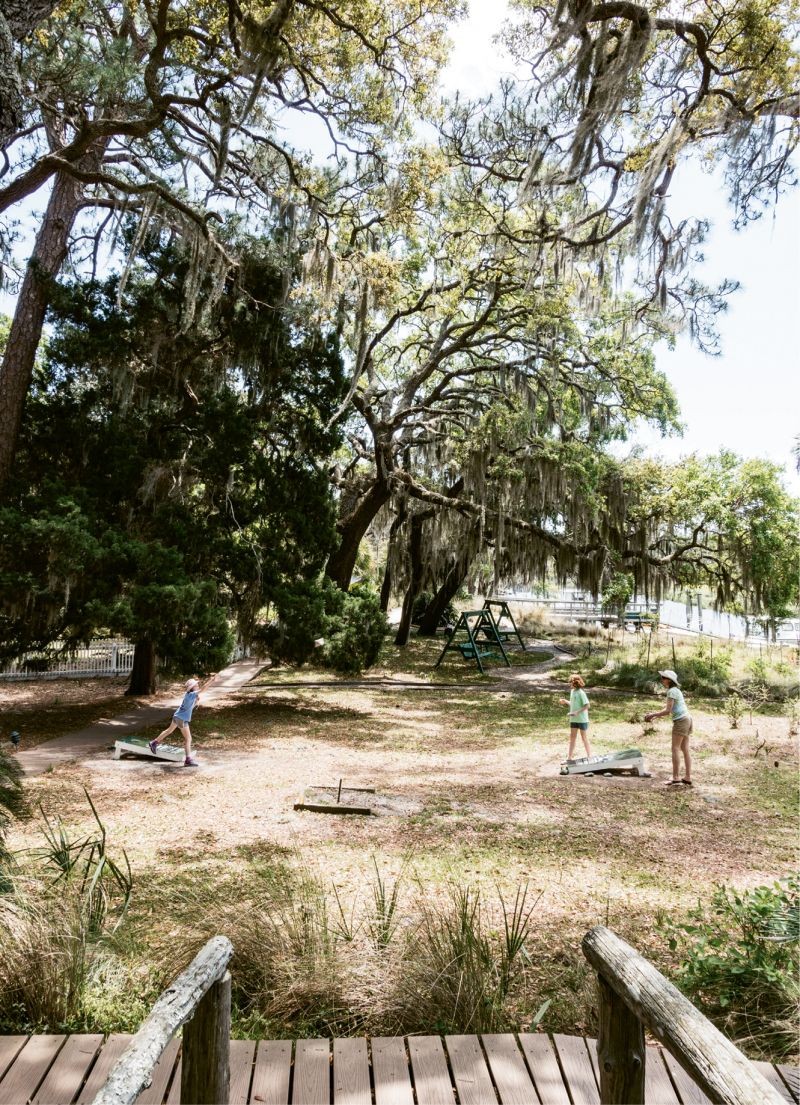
{"x":584,"y":725}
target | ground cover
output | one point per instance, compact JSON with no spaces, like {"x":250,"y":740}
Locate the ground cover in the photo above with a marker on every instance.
{"x":46,"y":709}
{"x":476,"y":770}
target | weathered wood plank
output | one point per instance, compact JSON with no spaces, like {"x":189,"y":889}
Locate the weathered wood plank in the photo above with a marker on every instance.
{"x":206,"y":1051}
{"x":470,"y":1073}
{"x":70,"y":1067}
{"x":711,"y":1059}
{"x":390,"y":1071}
{"x":688,"y":1090}
{"x":271,"y":1074}
{"x":10,"y":1047}
{"x":242,"y":1056}
{"x":775,"y":1080}
{"x":154,"y":1093}
{"x":431,"y":1076}
{"x":172,"y":1009}
{"x":620,"y":1048}
{"x":112,"y":1049}
{"x":175,"y":1096}
{"x":27,"y":1072}
{"x":577,"y":1068}
{"x":312,"y":1073}
{"x":544,"y":1068}
{"x":351,"y":1073}
{"x":510,"y":1074}
{"x":791,"y":1076}
{"x":658,"y":1089}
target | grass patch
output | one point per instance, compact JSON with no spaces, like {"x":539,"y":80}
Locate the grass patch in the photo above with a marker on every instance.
{"x":222,"y":850}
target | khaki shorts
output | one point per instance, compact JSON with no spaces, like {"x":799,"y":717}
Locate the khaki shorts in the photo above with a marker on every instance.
{"x":683,"y":727}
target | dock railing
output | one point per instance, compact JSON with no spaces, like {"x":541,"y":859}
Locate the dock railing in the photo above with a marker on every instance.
{"x":199,"y":999}
{"x":635,"y":996}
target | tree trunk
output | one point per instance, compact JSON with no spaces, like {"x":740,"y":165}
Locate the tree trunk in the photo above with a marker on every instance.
{"x":417,"y":575}
{"x":352,"y":529}
{"x":449,"y":588}
{"x":443,"y":597}
{"x":386,"y":586}
{"x":17,"y":19}
{"x":48,"y":256}
{"x":143,"y":673}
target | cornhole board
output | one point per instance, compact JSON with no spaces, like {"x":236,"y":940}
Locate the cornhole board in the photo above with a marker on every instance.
{"x":631,"y":760}
{"x":139,"y":746}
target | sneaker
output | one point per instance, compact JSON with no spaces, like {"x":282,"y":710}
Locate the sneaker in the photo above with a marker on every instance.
{"x":189,"y":762}
{"x":153,"y":746}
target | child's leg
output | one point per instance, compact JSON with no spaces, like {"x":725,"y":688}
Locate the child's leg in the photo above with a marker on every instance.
{"x":173,"y":725}
{"x":677,"y":742}
{"x":573,"y":736}
{"x":586,"y":745}
{"x":186,"y":733}
{"x":687,"y":759}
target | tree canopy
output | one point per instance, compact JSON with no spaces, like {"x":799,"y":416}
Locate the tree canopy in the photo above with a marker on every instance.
{"x":169,"y":481}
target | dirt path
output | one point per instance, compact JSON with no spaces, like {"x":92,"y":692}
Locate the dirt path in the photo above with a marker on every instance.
{"x":80,"y":743}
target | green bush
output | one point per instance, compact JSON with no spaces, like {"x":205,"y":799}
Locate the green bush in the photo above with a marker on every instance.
{"x":351,"y":625}
{"x":354,"y":633}
{"x":697,"y":673}
{"x":740,"y":956}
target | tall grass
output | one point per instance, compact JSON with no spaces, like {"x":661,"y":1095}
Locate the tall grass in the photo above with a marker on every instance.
{"x":307,"y":961}
{"x":60,"y":907}
{"x":465,"y":962}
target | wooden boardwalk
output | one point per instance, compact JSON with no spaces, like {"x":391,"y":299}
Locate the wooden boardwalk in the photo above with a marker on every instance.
{"x":529,"y":1069}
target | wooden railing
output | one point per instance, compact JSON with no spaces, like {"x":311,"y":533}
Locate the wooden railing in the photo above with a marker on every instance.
{"x":200,"y":999}
{"x":634,"y":996}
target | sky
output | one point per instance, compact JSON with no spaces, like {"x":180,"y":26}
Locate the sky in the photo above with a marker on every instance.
{"x":748,"y":398}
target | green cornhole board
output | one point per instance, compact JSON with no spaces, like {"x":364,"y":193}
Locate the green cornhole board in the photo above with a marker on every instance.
{"x":139,"y":746}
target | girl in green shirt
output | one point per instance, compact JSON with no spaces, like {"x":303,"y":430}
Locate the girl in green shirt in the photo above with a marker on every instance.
{"x":578,"y":715}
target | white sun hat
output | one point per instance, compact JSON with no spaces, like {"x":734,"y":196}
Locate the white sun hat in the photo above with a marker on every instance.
{"x":670,"y":674}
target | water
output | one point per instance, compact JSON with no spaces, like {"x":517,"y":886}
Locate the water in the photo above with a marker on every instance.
{"x":680,"y":615}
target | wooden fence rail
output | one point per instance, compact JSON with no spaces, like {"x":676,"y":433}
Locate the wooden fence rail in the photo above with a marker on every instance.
{"x":634,"y":996}
{"x":200,"y":998}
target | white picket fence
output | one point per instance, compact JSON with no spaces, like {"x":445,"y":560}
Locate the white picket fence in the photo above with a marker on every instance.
{"x":102,"y":656}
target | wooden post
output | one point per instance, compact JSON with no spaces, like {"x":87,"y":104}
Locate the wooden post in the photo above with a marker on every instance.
{"x":620,"y":1050}
{"x":205,"y":1074}
{"x":717,"y":1066}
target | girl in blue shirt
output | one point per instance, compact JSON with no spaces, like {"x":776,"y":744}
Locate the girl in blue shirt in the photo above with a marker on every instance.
{"x":180,"y":720}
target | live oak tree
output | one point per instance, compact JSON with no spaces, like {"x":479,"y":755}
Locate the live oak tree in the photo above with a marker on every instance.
{"x":169,"y":483}
{"x":176,"y":112}
{"x":447,"y":323}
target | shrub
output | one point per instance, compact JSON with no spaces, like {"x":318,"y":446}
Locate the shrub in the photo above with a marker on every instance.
{"x":734,"y":708}
{"x":351,"y":625}
{"x":794,"y":717}
{"x":354,"y":632}
{"x":740,"y":958}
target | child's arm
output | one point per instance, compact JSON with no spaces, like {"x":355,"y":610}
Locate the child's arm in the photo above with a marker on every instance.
{"x":666,"y":712}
